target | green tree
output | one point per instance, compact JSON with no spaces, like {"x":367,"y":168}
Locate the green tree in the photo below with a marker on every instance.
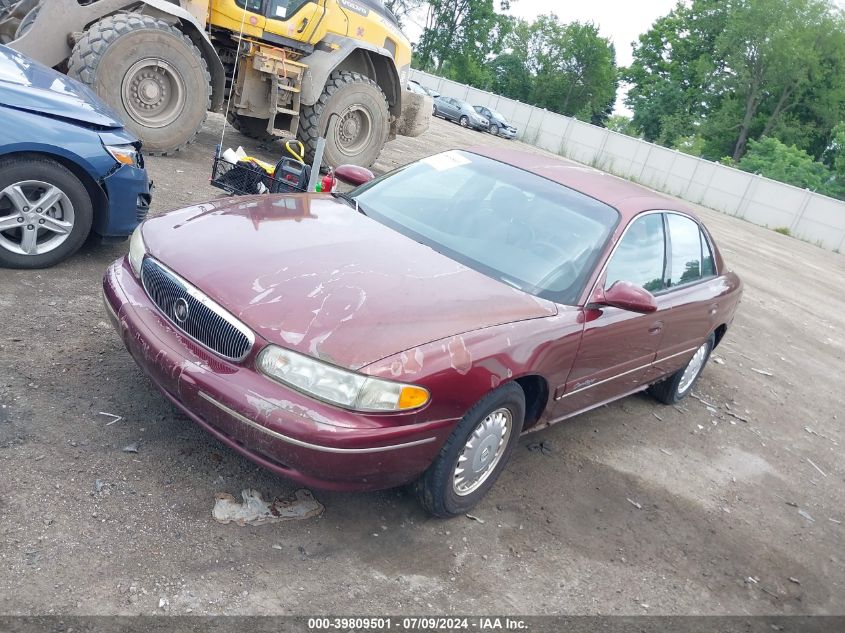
{"x":671,"y":77}
{"x":510,"y":77}
{"x":462,"y":34}
{"x":401,"y":8}
{"x":620,"y":123}
{"x":692,"y":145}
{"x":771,"y":158}
{"x":734,"y":70}
{"x":573,"y":68}
{"x":835,"y":154}
{"x":770,"y":46}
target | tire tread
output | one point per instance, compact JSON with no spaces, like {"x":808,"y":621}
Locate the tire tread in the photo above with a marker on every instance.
{"x":309,"y":116}
{"x":90,"y":48}
{"x":426,"y":487}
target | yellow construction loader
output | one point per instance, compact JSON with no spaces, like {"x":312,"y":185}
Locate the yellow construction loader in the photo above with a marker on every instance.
{"x":280,"y":68}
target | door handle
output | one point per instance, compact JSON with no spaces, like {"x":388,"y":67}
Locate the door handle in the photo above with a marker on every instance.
{"x":656,"y":327}
{"x":302,"y":26}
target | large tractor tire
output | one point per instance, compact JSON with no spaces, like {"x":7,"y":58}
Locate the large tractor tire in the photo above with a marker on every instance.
{"x":359,"y":132}
{"x":150,"y":73}
{"x":251,"y":127}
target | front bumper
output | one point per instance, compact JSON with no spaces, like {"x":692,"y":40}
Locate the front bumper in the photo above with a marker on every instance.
{"x":507,"y":132}
{"x":128,"y":190}
{"x":280,"y":429}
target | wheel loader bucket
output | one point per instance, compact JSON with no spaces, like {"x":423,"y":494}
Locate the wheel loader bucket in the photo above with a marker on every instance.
{"x":46,"y":37}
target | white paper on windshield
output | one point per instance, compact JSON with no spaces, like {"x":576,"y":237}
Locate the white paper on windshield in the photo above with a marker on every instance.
{"x":281,"y":12}
{"x":446,"y":160}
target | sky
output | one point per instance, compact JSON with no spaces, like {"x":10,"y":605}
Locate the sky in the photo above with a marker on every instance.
{"x":621,"y":21}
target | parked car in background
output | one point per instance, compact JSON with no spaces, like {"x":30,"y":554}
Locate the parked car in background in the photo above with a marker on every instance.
{"x":429,"y":91}
{"x":67,"y":166}
{"x":499,"y":125}
{"x":460,"y":112}
{"x":416,"y":88}
{"x":413,"y":328}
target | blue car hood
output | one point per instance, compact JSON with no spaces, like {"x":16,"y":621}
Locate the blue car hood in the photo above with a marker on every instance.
{"x":27,"y":85}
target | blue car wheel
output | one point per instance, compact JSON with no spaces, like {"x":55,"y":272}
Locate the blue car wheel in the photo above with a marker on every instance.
{"x":45,"y":213}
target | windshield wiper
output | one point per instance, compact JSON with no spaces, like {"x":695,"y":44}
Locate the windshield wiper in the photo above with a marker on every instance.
{"x":348,"y":199}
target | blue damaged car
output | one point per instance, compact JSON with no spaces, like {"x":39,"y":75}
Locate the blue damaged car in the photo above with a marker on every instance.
{"x":68,"y":168}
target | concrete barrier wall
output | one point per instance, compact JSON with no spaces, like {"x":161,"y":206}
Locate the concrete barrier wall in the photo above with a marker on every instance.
{"x":808,"y":216}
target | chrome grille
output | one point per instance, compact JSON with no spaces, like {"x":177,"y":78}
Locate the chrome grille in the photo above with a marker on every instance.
{"x":194,"y":313}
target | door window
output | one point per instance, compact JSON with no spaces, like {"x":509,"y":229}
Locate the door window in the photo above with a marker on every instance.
{"x":708,"y":267}
{"x":283,"y":9}
{"x":250,"y":5}
{"x":641,"y":255}
{"x":685,"y":261}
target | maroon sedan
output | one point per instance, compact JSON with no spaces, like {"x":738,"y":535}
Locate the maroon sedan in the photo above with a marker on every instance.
{"x":412,"y":329}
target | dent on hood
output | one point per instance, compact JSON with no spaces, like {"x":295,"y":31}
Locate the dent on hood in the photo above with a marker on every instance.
{"x":320,"y":311}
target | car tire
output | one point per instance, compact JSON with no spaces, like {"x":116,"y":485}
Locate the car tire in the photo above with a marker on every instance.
{"x":347,"y":94}
{"x":72,"y":212}
{"x":464,"y":121}
{"x":151,"y":73}
{"x":494,"y":130}
{"x":496,"y":422}
{"x":676,"y":387}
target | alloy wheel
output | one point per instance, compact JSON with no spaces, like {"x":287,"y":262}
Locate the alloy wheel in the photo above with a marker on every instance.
{"x":36,"y":217}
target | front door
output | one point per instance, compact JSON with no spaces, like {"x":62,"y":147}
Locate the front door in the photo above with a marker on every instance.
{"x":618,"y":347}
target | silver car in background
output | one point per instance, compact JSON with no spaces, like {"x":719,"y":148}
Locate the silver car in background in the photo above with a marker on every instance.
{"x":499,"y":125}
{"x":461,"y":112}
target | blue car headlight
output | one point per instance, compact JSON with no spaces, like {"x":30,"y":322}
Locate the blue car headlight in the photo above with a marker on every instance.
{"x":124,"y":154}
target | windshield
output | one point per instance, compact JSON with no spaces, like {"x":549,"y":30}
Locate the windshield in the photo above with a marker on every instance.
{"x":502,"y":221}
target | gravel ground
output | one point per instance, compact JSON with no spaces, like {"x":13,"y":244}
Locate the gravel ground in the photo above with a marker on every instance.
{"x":730,"y":504}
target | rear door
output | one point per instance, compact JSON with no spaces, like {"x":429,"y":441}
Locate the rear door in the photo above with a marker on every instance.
{"x":618,"y":347}
{"x":692,"y":293}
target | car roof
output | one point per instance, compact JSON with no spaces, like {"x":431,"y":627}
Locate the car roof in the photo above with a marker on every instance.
{"x":626,"y":197}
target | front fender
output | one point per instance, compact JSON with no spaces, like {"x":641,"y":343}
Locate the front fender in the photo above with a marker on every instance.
{"x":325,"y":60}
{"x":460,"y":370}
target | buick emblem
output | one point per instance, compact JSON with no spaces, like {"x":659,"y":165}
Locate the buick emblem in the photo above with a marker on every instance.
{"x":180,"y":310}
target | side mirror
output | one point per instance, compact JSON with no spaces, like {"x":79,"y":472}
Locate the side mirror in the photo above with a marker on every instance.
{"x":353,"y":175}
{"x":626,"y":296}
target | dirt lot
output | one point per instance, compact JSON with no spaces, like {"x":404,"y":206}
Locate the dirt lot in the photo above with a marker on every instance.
{"x":735,"y":516}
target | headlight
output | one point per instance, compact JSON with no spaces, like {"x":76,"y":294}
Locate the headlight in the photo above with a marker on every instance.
{"x":124,"y":154}
{"x":338,"y":386}
{"x":137,"y":250}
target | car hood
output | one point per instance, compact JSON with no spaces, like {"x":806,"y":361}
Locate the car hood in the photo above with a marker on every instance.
{"x":27,"y":85}
{"x":309,"y":273}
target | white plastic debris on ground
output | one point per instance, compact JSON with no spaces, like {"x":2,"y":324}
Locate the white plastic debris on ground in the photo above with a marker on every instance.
{"x":255,"y":511}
